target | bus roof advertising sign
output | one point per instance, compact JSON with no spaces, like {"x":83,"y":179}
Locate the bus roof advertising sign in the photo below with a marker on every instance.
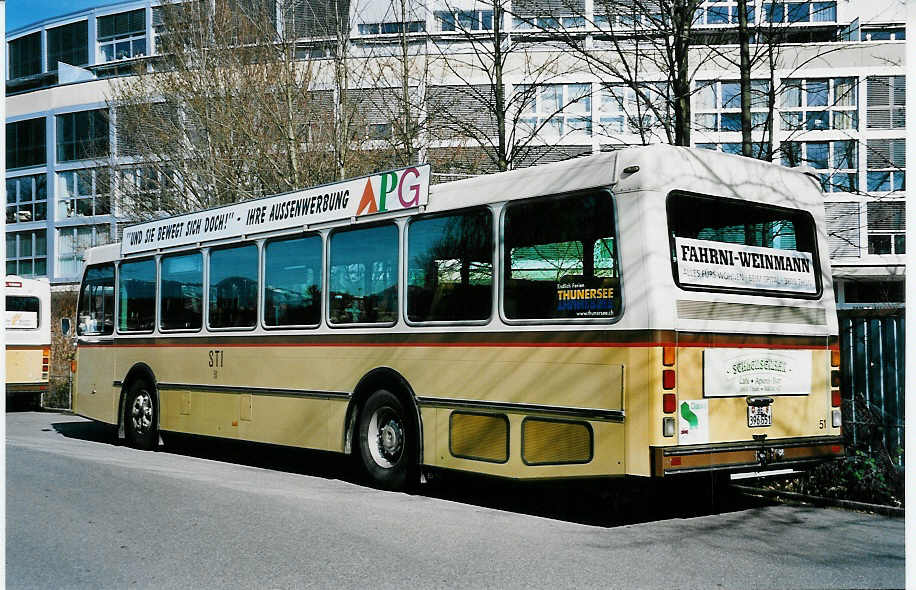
{"x":387,"y":191}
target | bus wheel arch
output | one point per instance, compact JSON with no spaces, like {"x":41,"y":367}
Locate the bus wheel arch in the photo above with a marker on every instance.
{"x":382,"y":381}
{"x":139,"y":374}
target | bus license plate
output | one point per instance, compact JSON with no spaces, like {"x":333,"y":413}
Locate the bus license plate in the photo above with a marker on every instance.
{"x":759,"y":416}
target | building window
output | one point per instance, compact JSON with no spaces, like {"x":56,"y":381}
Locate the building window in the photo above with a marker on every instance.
{"x":819,"y":104}
{"x":122,"y":35}
{"x":146,"y":191}
{"x":27,"y":253}
{"x":884,"y":34}
{"x":719,"y":12}
{"x":391,"y":28}
{"x":465,"y":20}
{"x":886,"y":161}
{"x":83,"y":192}
{"x":836,"y":162}
{"x":26,"y":199}
{"x":718,"y":105}
{"x":25,"y":143}
{"x":556,"y":110}
{"x":886,"y":227}
{"x":799,"y":12}
{"x":69,"y":44}
{"x":760,"y":149}
{"x":72,"y":242}
{"x":886,"y":102}
{"x":82,"y":135}
{"x":619,"y":104}
{"x":25,"y":56}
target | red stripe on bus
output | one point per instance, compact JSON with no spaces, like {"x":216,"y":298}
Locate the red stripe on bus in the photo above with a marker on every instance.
{"x":460,"y":345}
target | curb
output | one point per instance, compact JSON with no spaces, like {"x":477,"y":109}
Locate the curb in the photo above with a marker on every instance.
{"x":892,"y":511}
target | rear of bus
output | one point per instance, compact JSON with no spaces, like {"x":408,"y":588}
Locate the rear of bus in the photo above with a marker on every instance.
{"x":746,"y":373}
{"x":28,"y":340}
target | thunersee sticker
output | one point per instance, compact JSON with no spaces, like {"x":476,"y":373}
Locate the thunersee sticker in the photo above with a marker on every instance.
{"x":705,"y":263}
{"x":731,"y":372}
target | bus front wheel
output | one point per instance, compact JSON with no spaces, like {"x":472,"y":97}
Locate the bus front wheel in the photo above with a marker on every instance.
{"x":140,"y":420}
{"x":387,"y":442}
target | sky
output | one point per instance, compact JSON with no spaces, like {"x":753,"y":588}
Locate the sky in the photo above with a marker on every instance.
{"x":25,"y":12}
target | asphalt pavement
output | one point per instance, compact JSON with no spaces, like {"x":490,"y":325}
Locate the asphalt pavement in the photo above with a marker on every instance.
{"x":82,"y":511}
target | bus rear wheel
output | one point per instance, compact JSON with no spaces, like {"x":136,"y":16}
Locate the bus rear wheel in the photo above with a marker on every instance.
{"x":387,"y":442}
{"x":140,"y":419}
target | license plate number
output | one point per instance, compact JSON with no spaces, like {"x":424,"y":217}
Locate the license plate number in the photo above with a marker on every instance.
{"x":759,"y":416}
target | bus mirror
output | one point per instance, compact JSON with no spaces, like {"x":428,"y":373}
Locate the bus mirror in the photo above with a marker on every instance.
{"x":65,"y":326}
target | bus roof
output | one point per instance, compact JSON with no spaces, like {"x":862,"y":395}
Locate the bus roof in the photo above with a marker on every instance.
{"x":17,"y":285}
{"x":659,"y":167}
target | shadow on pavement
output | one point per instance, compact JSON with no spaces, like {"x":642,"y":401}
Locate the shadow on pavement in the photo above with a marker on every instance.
{"x":598,"y":502}
{"x":91,"y":431}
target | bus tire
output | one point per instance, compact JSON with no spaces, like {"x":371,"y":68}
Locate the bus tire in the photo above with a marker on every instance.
{"x":140,"y":417}
{"x":387,"y":442}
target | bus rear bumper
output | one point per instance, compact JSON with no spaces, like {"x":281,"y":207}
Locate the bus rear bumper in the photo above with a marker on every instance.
{"x":746,"y":455}
{"x":26,"y":388}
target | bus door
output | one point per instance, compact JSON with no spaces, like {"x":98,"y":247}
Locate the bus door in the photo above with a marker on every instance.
{"x":95,"y":333}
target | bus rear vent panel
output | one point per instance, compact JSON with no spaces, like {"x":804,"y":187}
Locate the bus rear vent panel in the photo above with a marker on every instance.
{"x":483,"y":437}
{"x":552,"y":442}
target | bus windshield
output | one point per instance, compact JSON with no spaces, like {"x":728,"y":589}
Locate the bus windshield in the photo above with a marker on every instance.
{"x":727,"y":245}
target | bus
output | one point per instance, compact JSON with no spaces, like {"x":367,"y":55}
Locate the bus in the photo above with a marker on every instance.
{"x":28,"y":340}
{"x":651,"y":312}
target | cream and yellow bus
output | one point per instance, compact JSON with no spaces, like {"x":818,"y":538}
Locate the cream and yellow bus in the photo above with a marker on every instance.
{"x":28,"y":339}
{"x":647,"y":312}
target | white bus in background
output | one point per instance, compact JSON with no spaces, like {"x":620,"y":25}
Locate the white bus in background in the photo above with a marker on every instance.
{"x":28,"y":339}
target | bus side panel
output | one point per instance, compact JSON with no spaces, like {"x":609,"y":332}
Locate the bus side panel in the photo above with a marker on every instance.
{"x":637,"y":406}
{"x":23,"y":365}
{"x":95,"y":395}
{"x":607,"y":450}
{"x":271,"y":417}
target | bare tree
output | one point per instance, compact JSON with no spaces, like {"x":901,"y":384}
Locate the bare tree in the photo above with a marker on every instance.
{"x":234,"y":108}
{"x":495,"y":77}
{"x":642,"y":47}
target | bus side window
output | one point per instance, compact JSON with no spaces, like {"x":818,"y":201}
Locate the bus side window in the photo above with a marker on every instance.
{"x":363,"y":278}
{"x":96,"y":304}
{"x":137,"y":302}
{"x":233,"y":290}
{"x":561,"y":259}
{"x":292,"y":282}
{"x":181,"y":292}
{"x":450,"y":267}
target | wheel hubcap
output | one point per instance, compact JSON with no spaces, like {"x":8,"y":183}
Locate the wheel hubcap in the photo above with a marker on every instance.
{"x":386,"y":437}
{"x":141,"y":413}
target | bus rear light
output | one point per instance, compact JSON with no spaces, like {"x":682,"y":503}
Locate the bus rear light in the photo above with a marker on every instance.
{"x":668,"y":379}
{"x":46,"y":353}
{"x":835,"y":398}
{"x":834,"y":378}
{"x":73,"y":366}
{"x":669,"y":403}
{"x":668,"y":426}
{"x":835,"y":358}
{"x":13,"y":284}
{"x":836,"y":418}
{"x":668,"y":356}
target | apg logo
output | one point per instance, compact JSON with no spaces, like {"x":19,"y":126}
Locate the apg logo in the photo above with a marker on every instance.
{"x":406,"y":188}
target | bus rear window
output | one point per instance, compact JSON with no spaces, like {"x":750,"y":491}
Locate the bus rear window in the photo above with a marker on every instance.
{"x":729,"y":245}
{"x":21,"y":312}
